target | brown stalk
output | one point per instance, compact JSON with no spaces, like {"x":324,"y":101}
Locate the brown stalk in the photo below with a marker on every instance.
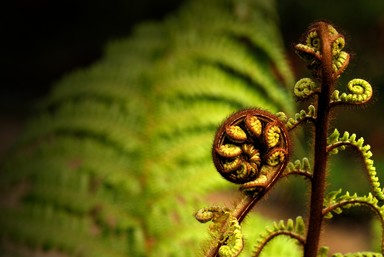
{"x":321,"y":134}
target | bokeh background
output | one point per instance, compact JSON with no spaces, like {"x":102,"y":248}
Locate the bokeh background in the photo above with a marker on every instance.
{"x":42,"y":41}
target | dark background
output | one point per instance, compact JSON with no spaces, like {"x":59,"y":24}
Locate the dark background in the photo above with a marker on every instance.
{"x":43,"y":40}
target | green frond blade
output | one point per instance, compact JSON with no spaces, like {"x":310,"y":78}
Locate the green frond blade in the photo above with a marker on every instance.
{"x":118,"y":154}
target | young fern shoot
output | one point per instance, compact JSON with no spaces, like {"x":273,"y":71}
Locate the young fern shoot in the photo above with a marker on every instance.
{"x":252,"y":148}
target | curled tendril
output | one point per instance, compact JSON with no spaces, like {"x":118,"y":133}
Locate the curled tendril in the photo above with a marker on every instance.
{"x":340,"y":62}
{"x":340,"y":59}
{"x":231,"y":237}
{"x":275,"y":157}
{"x":251,"y":148}
{"x":304,"y":88}
{"x":332,"y":30}
{"x":210,"y":213}
{"x":359,"y":91}
{"x":309,"y":50}
{"x":338,"y":45}
{"x":272,"y":133}
{"x":313,"y":41}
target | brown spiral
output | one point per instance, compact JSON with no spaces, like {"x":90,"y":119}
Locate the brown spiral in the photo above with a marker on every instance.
{"x":251,"y":148}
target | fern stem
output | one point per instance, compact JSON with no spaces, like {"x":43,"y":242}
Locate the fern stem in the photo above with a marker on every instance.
{"x":246,"y":204}
{"x":321,"y":129}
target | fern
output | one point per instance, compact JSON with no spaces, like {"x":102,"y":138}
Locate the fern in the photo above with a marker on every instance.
{"x":115,"y":160}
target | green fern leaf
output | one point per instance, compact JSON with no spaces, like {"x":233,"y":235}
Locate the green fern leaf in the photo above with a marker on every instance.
{"x":118,"y":156}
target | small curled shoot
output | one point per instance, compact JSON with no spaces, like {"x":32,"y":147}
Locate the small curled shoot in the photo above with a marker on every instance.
{"x":338,"y":45}
{"x":340,"y":63}
{"x":272,"y":133}
{"x":310,"y":50}
{"x":233,"y":239}
{"x":359,"y":91}
{"x":210,"y":213}
{"x":304,"y":88}
{"x":225,"y":230}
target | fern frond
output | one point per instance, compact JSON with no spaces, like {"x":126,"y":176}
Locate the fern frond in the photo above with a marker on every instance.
{"x":359,"y":92}
{"x":358,"y":254}
{"x":335,"y":204}
{"x":125,"y":144}
{"x":209,"y":82}
{"x":290,"y":228}
{"x":106,"y":122}
{"x":59,"y":230}
{"x":232,"y":57}
{"x":298,"y":167}
{"x":336,"y":143}
{"x":301,"y":116}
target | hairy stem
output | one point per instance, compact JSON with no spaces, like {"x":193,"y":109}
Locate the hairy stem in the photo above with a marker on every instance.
{"x":321,"y":134}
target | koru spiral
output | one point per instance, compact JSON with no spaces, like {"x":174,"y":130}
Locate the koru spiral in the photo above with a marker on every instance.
{"x":251,"y":148}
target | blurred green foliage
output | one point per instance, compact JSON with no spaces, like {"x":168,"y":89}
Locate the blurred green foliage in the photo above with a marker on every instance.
{"x":116,"y":158}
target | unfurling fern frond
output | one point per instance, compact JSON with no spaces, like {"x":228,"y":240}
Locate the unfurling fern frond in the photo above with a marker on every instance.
{"x":358,"y":254}
{"x":359,"y":92}
{"x":124,"y":145}
{"x":300,"y":117}
{"x":292,"y":229}
{"x":323,"y":252}
{"x":335,"y":204}
{"x":336,"y":143}
{"x":298,"y":167}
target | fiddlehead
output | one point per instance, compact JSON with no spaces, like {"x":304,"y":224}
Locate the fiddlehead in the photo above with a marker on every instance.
{"x":251,"y":148}
{"x":210,"y":213}
{"x":233,"y":239}
{"x":225,"y":230}
{"x":359,"y":91}
{"x":305,"y":87}
{"x":248,"y":148}
{"x":310,"y":51}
